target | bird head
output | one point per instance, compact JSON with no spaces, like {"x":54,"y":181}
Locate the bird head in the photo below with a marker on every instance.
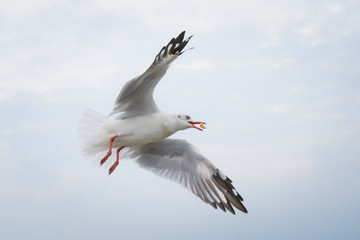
{"x":185,"y":122}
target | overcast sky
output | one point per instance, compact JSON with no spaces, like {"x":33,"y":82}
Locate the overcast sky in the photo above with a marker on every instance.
{"x":278,"y":83}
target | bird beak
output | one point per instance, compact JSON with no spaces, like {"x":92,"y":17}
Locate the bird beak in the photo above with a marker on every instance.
{"x":202,"y":125}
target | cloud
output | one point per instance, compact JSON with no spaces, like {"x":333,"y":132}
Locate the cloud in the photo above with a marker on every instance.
{"x":310,"y":33}
{"x":328,"y":102}
{"x":282,"y":63}
{"x":52,"y":46}
{"x":334,"y":8}
{"x":194,"y":66}
{"x":274,"y":160}
{"x":281,"y":108}
{"x":313,"y":116}
{"x":295,"y":90}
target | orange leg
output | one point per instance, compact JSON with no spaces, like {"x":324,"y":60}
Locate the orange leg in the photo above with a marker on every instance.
{"x":112,"y":168}
{"x":109,"y":152}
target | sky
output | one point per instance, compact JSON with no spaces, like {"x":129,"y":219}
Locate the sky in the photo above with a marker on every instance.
{"x":277,"y":83}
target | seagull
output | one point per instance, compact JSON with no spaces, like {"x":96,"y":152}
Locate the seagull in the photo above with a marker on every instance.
{"x":139,"y":130}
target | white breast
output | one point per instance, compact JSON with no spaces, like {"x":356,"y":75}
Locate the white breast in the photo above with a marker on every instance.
{"x":140,"y":130}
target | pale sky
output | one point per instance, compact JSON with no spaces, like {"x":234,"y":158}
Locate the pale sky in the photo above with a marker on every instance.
{"x":277,"y":82}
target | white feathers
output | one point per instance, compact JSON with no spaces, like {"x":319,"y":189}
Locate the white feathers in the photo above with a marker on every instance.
{"x":179,"y":161}
{"x":223,"y":177}
{"x":235,"y":192}
{"x":91,"y":134}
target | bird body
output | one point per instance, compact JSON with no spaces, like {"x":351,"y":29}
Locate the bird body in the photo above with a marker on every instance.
{"x":139,"y":128}
{"x":134,"y":131}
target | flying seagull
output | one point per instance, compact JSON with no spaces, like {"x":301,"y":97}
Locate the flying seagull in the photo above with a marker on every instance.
{"x":139,"y":127}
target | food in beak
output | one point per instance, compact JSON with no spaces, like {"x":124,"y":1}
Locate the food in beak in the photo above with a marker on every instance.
{"x":202,"y":125}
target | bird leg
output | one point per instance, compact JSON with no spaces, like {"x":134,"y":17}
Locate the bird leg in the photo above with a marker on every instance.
{"x":112,"y":168}
{"x":109,"y":152}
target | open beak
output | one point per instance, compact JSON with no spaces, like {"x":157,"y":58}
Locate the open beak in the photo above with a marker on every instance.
{"x":202,"y":125}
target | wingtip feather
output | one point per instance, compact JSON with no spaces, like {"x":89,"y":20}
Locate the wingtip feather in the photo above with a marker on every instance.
{"x":174,"y":47}
{"x":224,"y":184}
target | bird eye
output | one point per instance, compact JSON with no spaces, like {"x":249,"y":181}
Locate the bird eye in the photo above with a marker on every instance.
{"x":179,"y":116}
{"x":187,"y":117}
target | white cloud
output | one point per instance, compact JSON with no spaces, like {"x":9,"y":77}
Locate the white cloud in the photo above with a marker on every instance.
{"x":327,"y":102}
{"x":334,"y":8}
{"x":85,"y":63}
{"x":313,"y":116}
{"x":194,"y":65}
{"x":273,"y":63}
{"x":281,"y":63}
{"x":276,"y":159}
{"x":206,"y":15}
{"x":294,"y":90}
{"x":310,"y":33}
{"x":281,"y":108}
{"x":23,"y":7}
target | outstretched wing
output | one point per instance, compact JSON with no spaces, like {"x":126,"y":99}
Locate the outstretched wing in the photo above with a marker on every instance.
{"x":136,"y":97}
{"x":179,"y":161}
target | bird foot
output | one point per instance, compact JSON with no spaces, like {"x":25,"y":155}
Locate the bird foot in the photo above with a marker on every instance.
{"x":109,"y":152}
{"x":105,"y":158}
{"x":112,"y":168}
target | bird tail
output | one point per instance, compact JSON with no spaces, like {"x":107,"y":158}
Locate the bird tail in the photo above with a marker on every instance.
{"x":92,"y":136}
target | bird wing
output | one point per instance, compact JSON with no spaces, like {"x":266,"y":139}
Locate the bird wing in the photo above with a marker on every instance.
{"x":136,"y":97}
{"x":179,"y":161}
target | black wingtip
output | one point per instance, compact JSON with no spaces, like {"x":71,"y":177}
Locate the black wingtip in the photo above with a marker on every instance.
{"x":180,"y":43}
{"x":225,"y":186}
{"x":174,"y":47}
{"x":180,"y":37}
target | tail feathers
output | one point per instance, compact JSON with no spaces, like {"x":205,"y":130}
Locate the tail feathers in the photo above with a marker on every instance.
{"x":91,"y":133}
{"x":94,"y":133}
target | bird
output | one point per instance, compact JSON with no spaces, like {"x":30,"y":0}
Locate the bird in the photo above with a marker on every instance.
{"x":139,"y":130}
